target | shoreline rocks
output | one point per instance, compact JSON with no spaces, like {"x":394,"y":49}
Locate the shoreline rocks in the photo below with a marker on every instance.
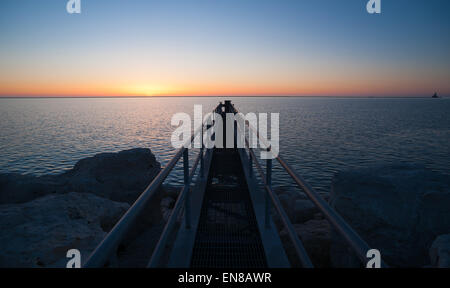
{"x":17,"y":188}
{"x":40,"y":232}
{"x":118,"y":176}
{"x":398,"y":209}
{"x":402,"y":210}
{"x":440,"y":252}
{"x":43,"y":217}
{"x":316,"y":238}
{"x":121,"y":176}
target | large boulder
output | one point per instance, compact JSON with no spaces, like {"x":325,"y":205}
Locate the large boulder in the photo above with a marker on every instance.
{"x":440,"y":252}
{"x":39,"y":233}
{"x":398,"y":209}
{"x":118,"y":176}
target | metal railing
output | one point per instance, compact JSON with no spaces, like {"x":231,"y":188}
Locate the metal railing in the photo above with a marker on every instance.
{"x":351,"y":237}
{"x":106,"y":249}
{"x":271,"y":197}
{"x":182,"y":201}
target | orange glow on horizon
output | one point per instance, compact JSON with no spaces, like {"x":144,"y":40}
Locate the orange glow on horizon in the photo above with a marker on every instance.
{"x":130,"y":90}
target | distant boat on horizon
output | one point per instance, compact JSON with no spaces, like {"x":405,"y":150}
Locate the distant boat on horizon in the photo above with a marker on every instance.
{"x":435,"y":95}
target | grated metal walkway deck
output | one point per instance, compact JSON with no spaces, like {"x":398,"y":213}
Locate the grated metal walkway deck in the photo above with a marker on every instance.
{"x":227,"y":235}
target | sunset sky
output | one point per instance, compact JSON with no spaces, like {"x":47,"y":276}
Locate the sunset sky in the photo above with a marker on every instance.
{"x":224,"y":47}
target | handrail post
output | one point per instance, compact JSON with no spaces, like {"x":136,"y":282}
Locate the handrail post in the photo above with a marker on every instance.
{"x":250,"y":162}
{"x":235,"y":133}
{"x":187,"y":201}
{"x":269,"y":184}
{"x":202,"y":168}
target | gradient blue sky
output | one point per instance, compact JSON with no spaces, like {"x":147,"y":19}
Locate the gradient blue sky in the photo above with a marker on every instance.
{"x":224,"y":47}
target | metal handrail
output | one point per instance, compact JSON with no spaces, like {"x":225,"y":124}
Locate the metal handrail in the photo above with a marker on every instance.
{"x":267,"y":181}
{"x":359,"y":246}
{"x":298,"y":246}
{"x":111,"y":242}
{"x":159,"y":249}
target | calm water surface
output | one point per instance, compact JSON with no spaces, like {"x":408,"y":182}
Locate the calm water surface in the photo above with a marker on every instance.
{"x":318,"y":136}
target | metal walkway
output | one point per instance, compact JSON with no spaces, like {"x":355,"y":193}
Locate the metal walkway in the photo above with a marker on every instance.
{"x":227,"y":234}
{"x":223,"y":214}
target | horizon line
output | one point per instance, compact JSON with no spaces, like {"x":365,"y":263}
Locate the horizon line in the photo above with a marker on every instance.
{"x":215,"y":96}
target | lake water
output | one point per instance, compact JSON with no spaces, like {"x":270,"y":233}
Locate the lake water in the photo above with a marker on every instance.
{"x":318,"y":136}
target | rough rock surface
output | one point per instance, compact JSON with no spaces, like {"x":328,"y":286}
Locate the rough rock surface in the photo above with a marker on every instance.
{"x":440,"y":252}
{"x":167,"y":205}
{"x":398,"y":209}
{"x":316,"y":238}
{"x":118,"y":176}
{"x":303,"y":210}
{"x":42,"y":217}
{"x":39,"y":233}
{"x":298,"y":207}
{"x":16,"y":188}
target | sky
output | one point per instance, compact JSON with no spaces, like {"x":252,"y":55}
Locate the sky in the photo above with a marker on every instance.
{"x":224,"y":48}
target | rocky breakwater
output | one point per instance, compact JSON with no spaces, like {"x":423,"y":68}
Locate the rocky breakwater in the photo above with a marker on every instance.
{"x":401,"y":210}
{"x":310,"y":225}
{"x":42,"y":217}
{"x":118,"y":176}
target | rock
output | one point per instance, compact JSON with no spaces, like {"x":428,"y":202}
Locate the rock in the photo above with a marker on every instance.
{"x":62,"y":218}
{"x":39,"y":233}
{"x":290,"y":191}
{"x":397,"y":209}
{"x":316,"y":238}
{"x":16,"y":188}
{"x":166,"y":207}
{"x":324,"y":196}
{"x":170,"y":191}
{"x":121,"y":176}
{"x":440,"y":252}
{"x":167,"y":202}
{"x":319,"y":216}
{"x":303,"y":210}
{"x":296,"y":204}
{"x":287,"y":204}
{"x":168,"y":198}
{"x":139,"y":251}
